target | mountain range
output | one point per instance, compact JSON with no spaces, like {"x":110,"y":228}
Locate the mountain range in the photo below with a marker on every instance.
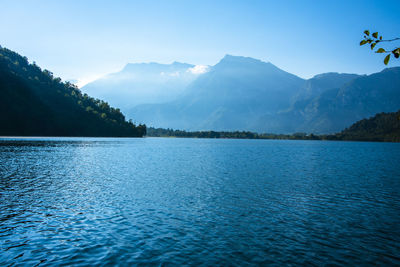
{"x":242,"y":93}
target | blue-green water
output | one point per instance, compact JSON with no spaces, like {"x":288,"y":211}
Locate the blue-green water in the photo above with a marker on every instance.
{"x":82,"y":201}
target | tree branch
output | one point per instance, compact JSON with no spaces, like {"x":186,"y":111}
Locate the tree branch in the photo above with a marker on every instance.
{"x":390,"y":40}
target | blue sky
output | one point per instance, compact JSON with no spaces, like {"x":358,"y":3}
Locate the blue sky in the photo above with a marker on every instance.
{"x":82,"y":40}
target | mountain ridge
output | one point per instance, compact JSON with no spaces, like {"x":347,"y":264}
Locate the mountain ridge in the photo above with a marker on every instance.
{"x":244,"y":93}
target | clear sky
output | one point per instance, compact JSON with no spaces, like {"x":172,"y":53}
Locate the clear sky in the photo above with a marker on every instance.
{"x":82,"y":40}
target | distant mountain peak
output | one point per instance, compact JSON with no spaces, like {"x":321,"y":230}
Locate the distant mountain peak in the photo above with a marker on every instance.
{"x":249,"y":65}
{"x":240,"y":59}
{"x":157,"y":67}
{"x":177,"y":63}
{"x":395,"y":69}
{"x":332,"y":75}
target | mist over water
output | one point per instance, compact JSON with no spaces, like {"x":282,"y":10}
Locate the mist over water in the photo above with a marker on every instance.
{"x":86,"y":201}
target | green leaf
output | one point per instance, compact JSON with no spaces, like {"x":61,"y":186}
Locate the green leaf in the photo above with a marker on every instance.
{"x":386,"y":60}
{"x":396,"y":52}
{"x":363,"y":42}
{"x":372,"y":46}
{"x":366,"y":32}
{"x":375,"y":35}
{"x":380,"y":50}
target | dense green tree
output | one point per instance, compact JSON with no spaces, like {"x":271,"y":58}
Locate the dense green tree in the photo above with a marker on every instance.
{"x":160,"y":132}
{"x":34,"y":102}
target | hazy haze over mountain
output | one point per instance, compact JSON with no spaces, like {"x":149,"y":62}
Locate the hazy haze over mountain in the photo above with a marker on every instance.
{"x":144,"y":83}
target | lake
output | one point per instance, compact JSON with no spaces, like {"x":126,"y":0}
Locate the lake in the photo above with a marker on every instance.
{"x":169,"y":201}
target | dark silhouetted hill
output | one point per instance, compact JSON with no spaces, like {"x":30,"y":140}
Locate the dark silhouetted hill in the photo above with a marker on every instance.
{"x":35,"y":103}
{"x":381,"y":127}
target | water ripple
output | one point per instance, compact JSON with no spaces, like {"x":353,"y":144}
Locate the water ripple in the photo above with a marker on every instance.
{"x":153,"y":201}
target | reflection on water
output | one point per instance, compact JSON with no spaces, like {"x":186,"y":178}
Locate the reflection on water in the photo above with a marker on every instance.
{"x":84,"y":201}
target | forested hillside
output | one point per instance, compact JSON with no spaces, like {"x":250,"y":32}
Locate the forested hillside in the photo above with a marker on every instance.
{"x":35,"y":103}
{"x":381,"y":127}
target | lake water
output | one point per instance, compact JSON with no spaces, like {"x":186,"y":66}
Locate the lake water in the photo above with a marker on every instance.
{"x":165,"y":201}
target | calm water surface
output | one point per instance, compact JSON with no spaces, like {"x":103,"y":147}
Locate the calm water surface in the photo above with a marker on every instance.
{"x":83,"y":201}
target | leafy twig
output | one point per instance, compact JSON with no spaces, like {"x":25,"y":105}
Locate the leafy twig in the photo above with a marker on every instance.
{"x":374,"y":39}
